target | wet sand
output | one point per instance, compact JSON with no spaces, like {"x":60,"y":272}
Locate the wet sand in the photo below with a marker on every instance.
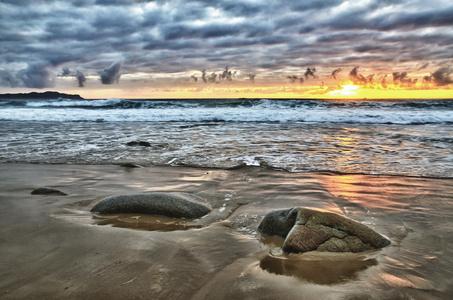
{"x":52,"y":247}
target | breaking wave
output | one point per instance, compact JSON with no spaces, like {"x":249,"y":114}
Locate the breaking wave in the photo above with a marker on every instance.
{"x":231,"y":110}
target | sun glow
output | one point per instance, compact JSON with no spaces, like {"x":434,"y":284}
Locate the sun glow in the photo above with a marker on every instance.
{"x":346,"y":90}
{"x":141,"y":86}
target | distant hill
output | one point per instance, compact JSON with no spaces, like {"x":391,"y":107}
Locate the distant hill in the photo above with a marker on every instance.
{"x":39,"y":96}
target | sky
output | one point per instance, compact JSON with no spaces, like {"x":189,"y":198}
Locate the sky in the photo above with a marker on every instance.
{"x":228,"y":48}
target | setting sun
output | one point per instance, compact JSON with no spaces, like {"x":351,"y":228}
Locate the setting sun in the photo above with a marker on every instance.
{"x":346,"y":90}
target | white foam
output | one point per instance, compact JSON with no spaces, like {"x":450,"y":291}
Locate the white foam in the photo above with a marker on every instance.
{"x":118,"y":110}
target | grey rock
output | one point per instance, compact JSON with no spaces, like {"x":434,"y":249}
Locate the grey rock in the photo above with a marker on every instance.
{"x":47,"y":191}
{"x":308,"y":230}
{"x":139,"y":143}
{"x":278,"y":222}
{"x":129,"y":165}
{"x":176,"y":205}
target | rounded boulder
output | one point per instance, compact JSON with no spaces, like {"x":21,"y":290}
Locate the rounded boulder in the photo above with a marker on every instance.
{"x":176,"y":205}
{"x":306,"y":230}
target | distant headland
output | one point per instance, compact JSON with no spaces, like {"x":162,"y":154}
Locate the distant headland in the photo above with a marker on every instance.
{"x":39,"y":96}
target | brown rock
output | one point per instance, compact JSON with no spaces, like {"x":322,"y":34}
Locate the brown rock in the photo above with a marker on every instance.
{"x":303,"y":239}
{"x":334,"y":245}
{"x":321,"y":231}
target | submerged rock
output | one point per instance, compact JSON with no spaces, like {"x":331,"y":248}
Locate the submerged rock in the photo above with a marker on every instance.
{"x":139,"y":143}
{"x":176,"y":205}
{"x":308,"y":230}
{"x":47,"y":191}
{"x":129,"y":165}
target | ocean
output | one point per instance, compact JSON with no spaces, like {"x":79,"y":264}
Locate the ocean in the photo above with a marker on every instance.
{"x":389,"y":137}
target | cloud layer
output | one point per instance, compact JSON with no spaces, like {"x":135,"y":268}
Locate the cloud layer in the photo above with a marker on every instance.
{"x":272,"y":39}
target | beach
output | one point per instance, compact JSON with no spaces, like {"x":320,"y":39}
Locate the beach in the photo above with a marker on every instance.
{"x":54,"y":247}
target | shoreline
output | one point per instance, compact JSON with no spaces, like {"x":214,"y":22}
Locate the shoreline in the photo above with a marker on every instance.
{"x":53,"y":247}
{"x":132,"y":166}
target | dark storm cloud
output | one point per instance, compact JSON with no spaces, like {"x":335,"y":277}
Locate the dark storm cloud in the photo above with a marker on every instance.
{"x":120,"y":2}
{"x":441,"y":16}
{"x":273,"y":40}
{"x":203,"y":76}
{"x":115,"y":21}
{"x":81,"y":3}
{"x":174,"y":44}
{"x":424,"y":66}
{"x":175,"y":36}
{"x":8,"y":79}
{"x":111,"y":74}
{"x":441,"y":77}
{"x":310,"y":72}
{"x":335,"y":73}
{"x":227,"y":74}
{"x":236,"y":7}
{"x":36,"y":76}
{"x":440,"y":38}
{"x":66,"y":30}
{"x":162,"y":15}
{"x":65,"y":71}
{"x":233,"y":42}
{"x":214,"y":30}
{"x":361,"y":18}
{"x":400,"y":77}
{"x":172,"y":32}
{"x":292,"y":78}
{"x":27,"y":2}
{"x":340,"y":37}
{"x":358,"y":78}
{"x":81,"y":78}
{"x":370,"y":48}
{"x":78,"y":75}
{"x":314,"y":4}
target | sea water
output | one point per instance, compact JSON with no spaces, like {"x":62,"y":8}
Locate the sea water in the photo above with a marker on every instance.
{"x":392,"y":137}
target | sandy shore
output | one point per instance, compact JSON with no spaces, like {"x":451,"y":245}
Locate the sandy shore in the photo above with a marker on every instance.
{"x":52,"y":247}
